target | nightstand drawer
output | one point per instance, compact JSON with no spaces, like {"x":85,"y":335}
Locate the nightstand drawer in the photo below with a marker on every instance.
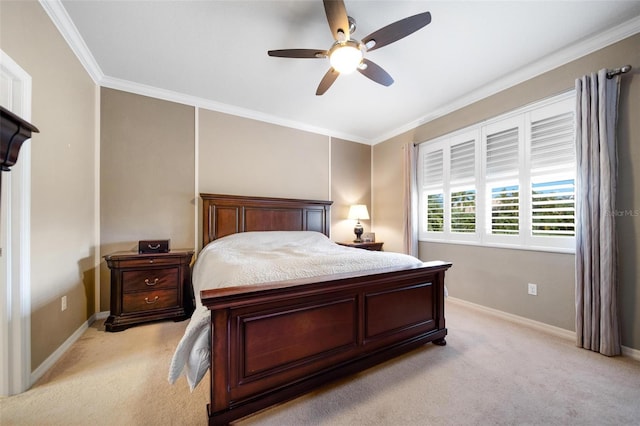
{"x":149,"y":287}
{"x":149,"y":279}
{"x":145,"y":261}
{"x":149,"y":300}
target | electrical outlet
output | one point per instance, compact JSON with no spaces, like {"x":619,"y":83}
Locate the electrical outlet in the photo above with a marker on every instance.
{"x":64,"y":303}
{"x":532,"y":289}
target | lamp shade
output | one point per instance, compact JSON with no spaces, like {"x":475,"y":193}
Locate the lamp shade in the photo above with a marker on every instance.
{"x":358,"y":211}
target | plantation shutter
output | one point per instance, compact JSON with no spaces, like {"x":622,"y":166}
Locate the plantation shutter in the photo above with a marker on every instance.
{"x":552,"y":143}
{"x":552,"y":183}
{"x":502,"y":154}
{"x":433,"y":183}
{"x":463,"y":162}
{"x":502,"y":168}
{"x":463,"y":191}
{"x":433,"y":167}
{"x":509,"y":181}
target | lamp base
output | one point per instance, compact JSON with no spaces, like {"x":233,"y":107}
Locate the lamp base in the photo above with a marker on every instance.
{"x":358,"y":231}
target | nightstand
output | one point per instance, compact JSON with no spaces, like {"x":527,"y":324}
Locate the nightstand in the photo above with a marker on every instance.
{"x":364,"y":245}
{"x":149,"y":287}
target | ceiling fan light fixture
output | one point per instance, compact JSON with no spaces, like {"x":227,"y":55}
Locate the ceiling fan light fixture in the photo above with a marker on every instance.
{"x":347,"y":54}
{"x":345,"y":57}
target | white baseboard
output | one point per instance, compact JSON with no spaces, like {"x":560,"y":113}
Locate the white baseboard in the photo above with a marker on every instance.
{"x":102,"y":315}
{"x":631,"y":353}
{"x":57,"y":354}
{"x":556,"y":331}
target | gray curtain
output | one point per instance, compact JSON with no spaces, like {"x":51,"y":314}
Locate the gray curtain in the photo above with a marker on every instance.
{"x":410,"y":203}
{"x":597,"y":326}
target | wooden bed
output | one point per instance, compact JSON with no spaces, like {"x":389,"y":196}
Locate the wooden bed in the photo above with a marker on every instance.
{"x":273,"y":342}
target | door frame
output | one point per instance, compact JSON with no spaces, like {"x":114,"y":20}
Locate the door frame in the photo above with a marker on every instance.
{"x":15,"y":239}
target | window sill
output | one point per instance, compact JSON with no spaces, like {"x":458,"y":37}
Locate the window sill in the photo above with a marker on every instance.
{"x":560,"y":250}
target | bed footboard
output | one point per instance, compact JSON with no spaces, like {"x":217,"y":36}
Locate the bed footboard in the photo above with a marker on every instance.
{"x":276,"y":341}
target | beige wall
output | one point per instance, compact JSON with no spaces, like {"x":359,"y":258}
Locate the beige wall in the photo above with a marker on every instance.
{"x":350,"y":184}
{"x":496,"y":277}
{"x":147,"y":158}
{"x":387,"y":188}
{"x":248,"y":157}
{"x":241,"y":156}
{"x":62,"y":175}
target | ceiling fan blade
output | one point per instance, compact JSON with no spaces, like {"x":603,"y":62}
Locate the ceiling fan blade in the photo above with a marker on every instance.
{"x":327,"y":81}
{"x":338,"y":19}
{"x":375,"y":73}
{"x":298,"y":53}
{"x":396,"y":31}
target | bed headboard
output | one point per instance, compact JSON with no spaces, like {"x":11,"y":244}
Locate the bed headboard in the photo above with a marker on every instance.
{"x":229,"y":214}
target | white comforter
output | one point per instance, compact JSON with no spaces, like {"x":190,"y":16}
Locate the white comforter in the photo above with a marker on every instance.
{"x":258,"y":257}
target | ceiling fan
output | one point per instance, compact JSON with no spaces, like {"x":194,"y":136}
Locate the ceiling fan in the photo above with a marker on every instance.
{"x":347,"y":54}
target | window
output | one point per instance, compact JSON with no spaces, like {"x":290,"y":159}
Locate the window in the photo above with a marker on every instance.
{"x":505,"y":210}
{"x":553,"y":208}
{"x":463,"y":191}
{"x":506,"y":182}
{"x":502,"y":145}
{"x":435,"y":212}
{"x":433,"y":181}
{"x":449,"y":193}
{"x":552,"y":175}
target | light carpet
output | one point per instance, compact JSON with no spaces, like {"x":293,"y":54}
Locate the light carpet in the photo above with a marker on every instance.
{"x":492,"y":372}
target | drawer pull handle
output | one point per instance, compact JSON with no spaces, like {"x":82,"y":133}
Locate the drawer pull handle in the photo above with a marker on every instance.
{"x":146,"y":299}
{"x":149,"y":283}
{"x":154,"y":247}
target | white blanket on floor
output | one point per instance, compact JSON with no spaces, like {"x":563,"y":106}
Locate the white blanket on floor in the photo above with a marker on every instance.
{"x":260,"y":257}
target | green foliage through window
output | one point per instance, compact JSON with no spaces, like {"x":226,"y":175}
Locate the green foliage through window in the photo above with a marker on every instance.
{"x":553,"y":208}
{"x":463,"y":211}
{"x":435,"y":212}
{"x":505,"y":210}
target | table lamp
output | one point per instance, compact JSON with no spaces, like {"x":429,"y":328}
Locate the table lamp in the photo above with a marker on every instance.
{"x":357,"y":212}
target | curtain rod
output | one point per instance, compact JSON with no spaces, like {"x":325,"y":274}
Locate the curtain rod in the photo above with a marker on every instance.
{"x":621,"y":70}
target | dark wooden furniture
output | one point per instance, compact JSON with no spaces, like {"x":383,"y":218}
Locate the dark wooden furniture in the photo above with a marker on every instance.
{"x":373,"y":246}
{"x":14,"y":131}
{"x":272,"y":342}
{"x":149,"y":287}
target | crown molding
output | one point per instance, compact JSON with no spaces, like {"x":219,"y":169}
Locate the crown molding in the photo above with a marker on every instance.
{"x":67,"y":28}
{"x":61,"y":19}
{"x":198,"y":102}
{"x":559,"y":58}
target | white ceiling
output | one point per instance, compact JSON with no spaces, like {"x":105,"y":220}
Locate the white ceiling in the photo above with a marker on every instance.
{"x":213,"y":54}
